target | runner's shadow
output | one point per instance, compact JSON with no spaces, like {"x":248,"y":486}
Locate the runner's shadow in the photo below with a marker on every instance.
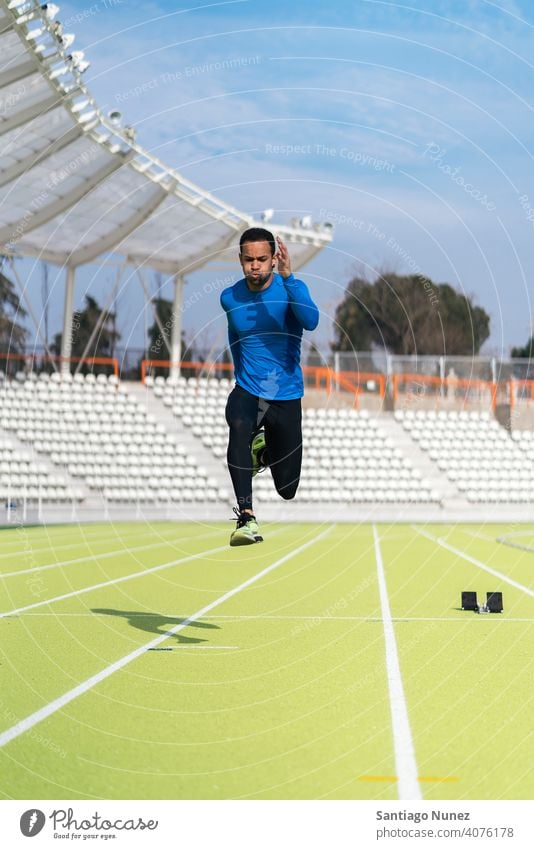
{"x":155,"y":623}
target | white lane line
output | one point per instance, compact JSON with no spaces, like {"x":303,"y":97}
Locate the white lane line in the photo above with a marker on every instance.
{"x":463,"y":618}
{"x":474,"y":535}
{"x":405,"y":763}
{"x":529,"y":532}
{"x":116,"y":580}
{"x":474,"y":561}
{"x":175,"y":648}
{"x":67,"y":532}
{"x":102,"y":556}
{"x":94,"y":539}
{"x":518,"y":545}
{"x":82,"y":540}
{"x":140,"y":574}
{"x":59,"y":703}
{"x":460,"y":619}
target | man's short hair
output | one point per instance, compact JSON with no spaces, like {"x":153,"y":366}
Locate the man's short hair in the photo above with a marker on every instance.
{"x":257,"y":234}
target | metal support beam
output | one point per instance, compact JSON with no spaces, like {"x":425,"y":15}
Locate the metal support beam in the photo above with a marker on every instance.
{"x":8,"y":76}
{"x":148,"y":300}
{"x":24,"y":165}
{"x":66,"y":339}
{"x":215,"y":250}
{"x":29,"y":113}
{"x":119,"y":232}
{"x":63,"y":202}
{"x":5,"y":24}
{"x":176,"y":330}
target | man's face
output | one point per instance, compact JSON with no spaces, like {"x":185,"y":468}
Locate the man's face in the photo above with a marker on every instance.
{"x":257,"y":263}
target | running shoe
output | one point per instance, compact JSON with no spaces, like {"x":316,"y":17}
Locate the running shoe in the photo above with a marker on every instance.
{"x":258,"y":445}
{"x":247,"y":531}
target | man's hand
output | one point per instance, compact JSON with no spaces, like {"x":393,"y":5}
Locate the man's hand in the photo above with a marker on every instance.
{"x":284,"y":260}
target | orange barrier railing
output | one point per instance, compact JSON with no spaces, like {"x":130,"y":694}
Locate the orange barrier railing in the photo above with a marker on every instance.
{"x":349,"y":386}
{"x":443,"y":387}
{"x":321,"y":376}
{"x":350,"y":381}
{"x":52,"y":358}
{"x":515,"y":385}
{"x":364,"y":380}
{"x":357,"y":383}
{"x":197,"y":367}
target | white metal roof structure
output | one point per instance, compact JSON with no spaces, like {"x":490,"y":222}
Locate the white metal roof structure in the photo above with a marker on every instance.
{"x":75,"y":187}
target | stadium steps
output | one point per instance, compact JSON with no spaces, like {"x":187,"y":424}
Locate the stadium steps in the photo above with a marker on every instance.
{"x":193,"y":445}
{"x":450,"y":496}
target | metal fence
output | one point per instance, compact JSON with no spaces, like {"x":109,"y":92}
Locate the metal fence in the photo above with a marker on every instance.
{"x":494,"y":369}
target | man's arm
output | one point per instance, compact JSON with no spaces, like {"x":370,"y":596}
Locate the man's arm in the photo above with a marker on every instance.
{"x":302,"y":306}
{"x":233,"y":337}
{"x":233,"y":341}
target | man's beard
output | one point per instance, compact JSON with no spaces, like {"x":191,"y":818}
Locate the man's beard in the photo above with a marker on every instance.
{"x":260,"y":280}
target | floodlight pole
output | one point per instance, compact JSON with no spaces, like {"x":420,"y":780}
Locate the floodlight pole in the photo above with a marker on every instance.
{"x":176,"y":329}
{"x":66,"y":339}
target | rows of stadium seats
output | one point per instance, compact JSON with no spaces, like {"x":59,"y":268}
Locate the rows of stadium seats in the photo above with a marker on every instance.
{"x":199,"y":403}
{"x":525,"y":441}
{"x":348,"y":457}
{"x":21,"y":477}
{"x":476,"y":453}
{"x":105,"y":438}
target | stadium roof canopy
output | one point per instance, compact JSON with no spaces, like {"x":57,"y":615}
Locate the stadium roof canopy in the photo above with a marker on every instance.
{"x":75,"y":186}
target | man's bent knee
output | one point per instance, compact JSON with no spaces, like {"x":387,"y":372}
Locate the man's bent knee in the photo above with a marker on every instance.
{"x":288,"y":491}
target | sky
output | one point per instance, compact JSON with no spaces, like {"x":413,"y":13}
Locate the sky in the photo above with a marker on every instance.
{"x":407,"y":125}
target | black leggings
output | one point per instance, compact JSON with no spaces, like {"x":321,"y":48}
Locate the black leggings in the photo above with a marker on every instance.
{"x":246,"y":414}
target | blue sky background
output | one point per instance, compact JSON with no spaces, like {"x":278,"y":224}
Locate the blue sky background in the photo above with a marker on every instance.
{"x":415,"y":122}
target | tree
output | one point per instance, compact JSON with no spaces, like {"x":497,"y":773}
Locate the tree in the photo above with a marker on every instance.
{"x":83,"y":325}
{"x":12,"y":334}
{"x":408,"y":315}
{"x":526,"y":352}
{"x":159,"y":343}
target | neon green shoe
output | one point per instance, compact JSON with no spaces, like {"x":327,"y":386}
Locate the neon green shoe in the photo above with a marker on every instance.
{"x":258,"y":444}
{"x":247,"y":531}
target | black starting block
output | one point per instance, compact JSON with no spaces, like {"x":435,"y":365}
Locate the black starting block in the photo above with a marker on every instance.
{"x":493,"y":602}
{"x":469,"y":601}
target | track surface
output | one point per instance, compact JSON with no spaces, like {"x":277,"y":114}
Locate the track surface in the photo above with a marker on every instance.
{"x":152,"y":661}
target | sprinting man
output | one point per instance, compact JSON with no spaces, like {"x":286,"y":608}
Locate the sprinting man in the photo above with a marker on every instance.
{"x":267,"y":311}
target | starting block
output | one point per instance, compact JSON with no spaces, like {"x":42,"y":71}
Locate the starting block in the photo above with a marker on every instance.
{"x":469,"y":601}
{"x":493,"y":603}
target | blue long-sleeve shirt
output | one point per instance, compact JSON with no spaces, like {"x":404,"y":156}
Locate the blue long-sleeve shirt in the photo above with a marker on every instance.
{"x":265,"y":334}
